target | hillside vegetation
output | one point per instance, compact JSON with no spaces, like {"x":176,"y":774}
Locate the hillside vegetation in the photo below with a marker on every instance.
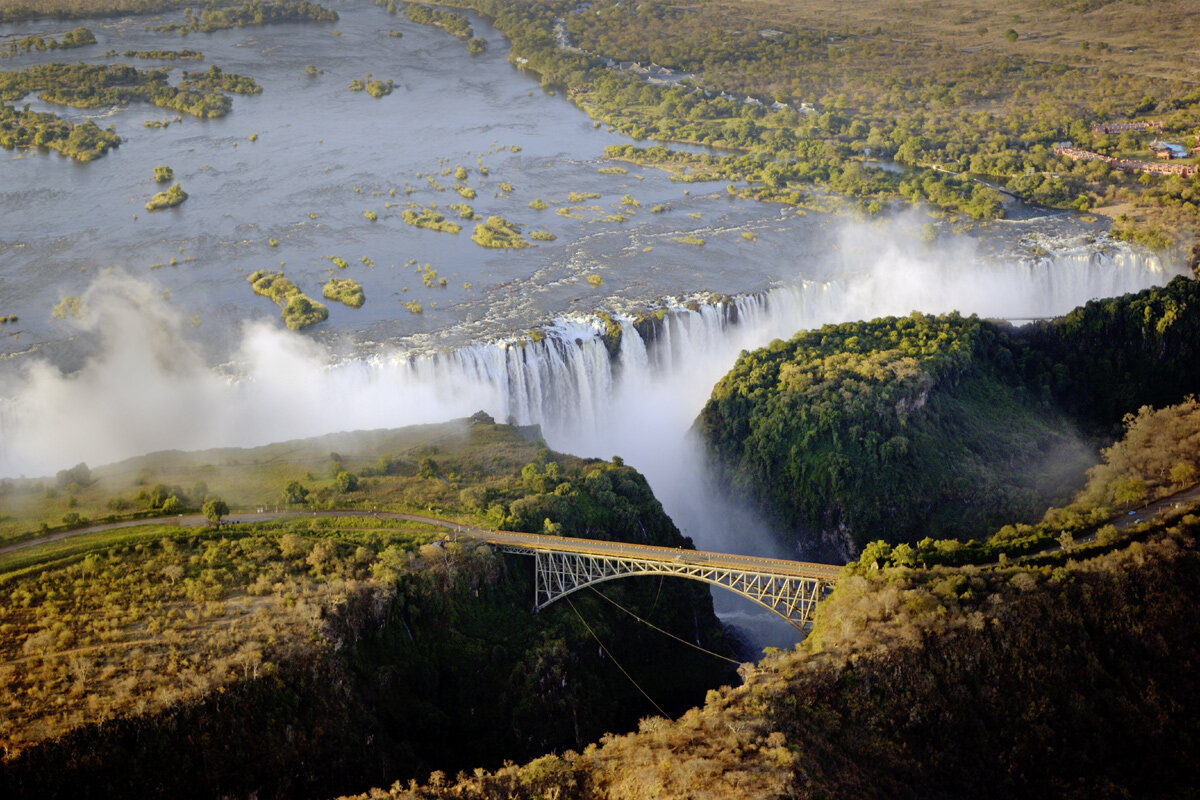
{"x":1068,"y":674}
{"x":1159,"y":454}
{"x":1073,"y":679}
{"x":896,"y":428}
{"x":1109,"y":357}
{"x":303,"y":656}
{"x":943,"y":427}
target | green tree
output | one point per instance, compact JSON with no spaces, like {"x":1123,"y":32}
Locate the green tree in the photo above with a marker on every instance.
{"x":214,"y":508}
{"x":1128,"y":489}
{"x":1183,"y":474}
{"x":295,"y":493}
{"x":875,"y":554}
{"x":347,"y":481}
{"x":78,"y":475}
{"x":159,"y":495}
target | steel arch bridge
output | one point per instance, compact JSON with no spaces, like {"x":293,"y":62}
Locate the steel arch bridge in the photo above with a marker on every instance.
{"x":790,"y":589}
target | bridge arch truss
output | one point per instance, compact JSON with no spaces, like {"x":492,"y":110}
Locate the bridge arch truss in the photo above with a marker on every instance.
{"x":559,"y":573}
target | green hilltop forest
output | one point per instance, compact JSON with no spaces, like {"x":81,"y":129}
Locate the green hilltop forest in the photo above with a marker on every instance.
{"x":894,"y":428}
{"x":902,"y":428}
{"x":308,"y":656}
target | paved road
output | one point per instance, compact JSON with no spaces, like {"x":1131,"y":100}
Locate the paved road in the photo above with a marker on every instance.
{"x":185,"y":520}
{"x":527,"y":541}
{"x":533,"y":541}
{"x":777,"y":566}
{"x":1182,"y":499}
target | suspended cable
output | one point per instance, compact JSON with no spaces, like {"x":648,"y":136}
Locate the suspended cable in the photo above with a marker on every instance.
{"x":666,"y":633}
{"x":614,"y":658}
{"x":657,"y":594}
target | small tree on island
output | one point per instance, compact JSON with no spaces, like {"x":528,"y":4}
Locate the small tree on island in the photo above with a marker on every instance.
{"x":213,"y":509}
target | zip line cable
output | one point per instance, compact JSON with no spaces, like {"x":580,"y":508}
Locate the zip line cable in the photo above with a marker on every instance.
{"x":666,"y":633}
{"x":614,"y":658}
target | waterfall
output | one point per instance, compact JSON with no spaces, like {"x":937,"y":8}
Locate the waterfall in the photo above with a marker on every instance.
{"x":583,"y":397}
{"x":146,"y":391}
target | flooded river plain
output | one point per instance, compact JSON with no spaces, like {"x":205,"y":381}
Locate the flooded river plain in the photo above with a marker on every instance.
{"x":323,"y":155}
{"x":285,"y":182}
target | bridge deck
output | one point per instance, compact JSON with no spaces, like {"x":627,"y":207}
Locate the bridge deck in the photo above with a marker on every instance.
{"x":563,"y":544}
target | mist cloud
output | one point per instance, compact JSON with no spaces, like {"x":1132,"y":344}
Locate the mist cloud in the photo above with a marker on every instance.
{"x":148,"y":388}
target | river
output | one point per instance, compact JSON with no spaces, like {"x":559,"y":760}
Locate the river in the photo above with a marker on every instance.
{"x":183,"y":355}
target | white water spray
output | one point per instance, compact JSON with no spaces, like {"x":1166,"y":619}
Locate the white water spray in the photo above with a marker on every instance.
{"x":147,"y":390}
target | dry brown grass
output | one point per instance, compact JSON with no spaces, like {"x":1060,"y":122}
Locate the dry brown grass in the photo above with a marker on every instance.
{"x":1143,"y":39}
{"x":132,"y":629}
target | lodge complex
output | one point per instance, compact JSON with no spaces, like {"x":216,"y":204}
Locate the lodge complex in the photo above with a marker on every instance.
{"x":1163,"y":151}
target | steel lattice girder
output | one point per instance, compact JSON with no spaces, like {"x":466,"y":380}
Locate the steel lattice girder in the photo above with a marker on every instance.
{"x":792,"y":597}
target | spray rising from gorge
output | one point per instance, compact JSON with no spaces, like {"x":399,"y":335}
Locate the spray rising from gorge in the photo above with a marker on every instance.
{"x":147,"y":389}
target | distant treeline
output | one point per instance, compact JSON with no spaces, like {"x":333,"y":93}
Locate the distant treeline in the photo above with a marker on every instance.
{"x":95,"y":86}
{"x":80,"y":9}
{"x":253,"y":12}
{"x":847,"y":94}
{"x":79,"y":37}
{"x":451,"y":22}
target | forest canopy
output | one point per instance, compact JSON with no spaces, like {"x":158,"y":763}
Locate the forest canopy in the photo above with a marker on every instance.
{"x":945,"y":427}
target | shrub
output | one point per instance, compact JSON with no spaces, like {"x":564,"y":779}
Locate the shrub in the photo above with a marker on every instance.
{"x":168,"y":199}
{"x":344,"y":290}
{"x":295,"y":493}
{"x":498,"y":232}
{"x":299,"y":310}
{"x":431,"y":219}
{"x":378,"y":89}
